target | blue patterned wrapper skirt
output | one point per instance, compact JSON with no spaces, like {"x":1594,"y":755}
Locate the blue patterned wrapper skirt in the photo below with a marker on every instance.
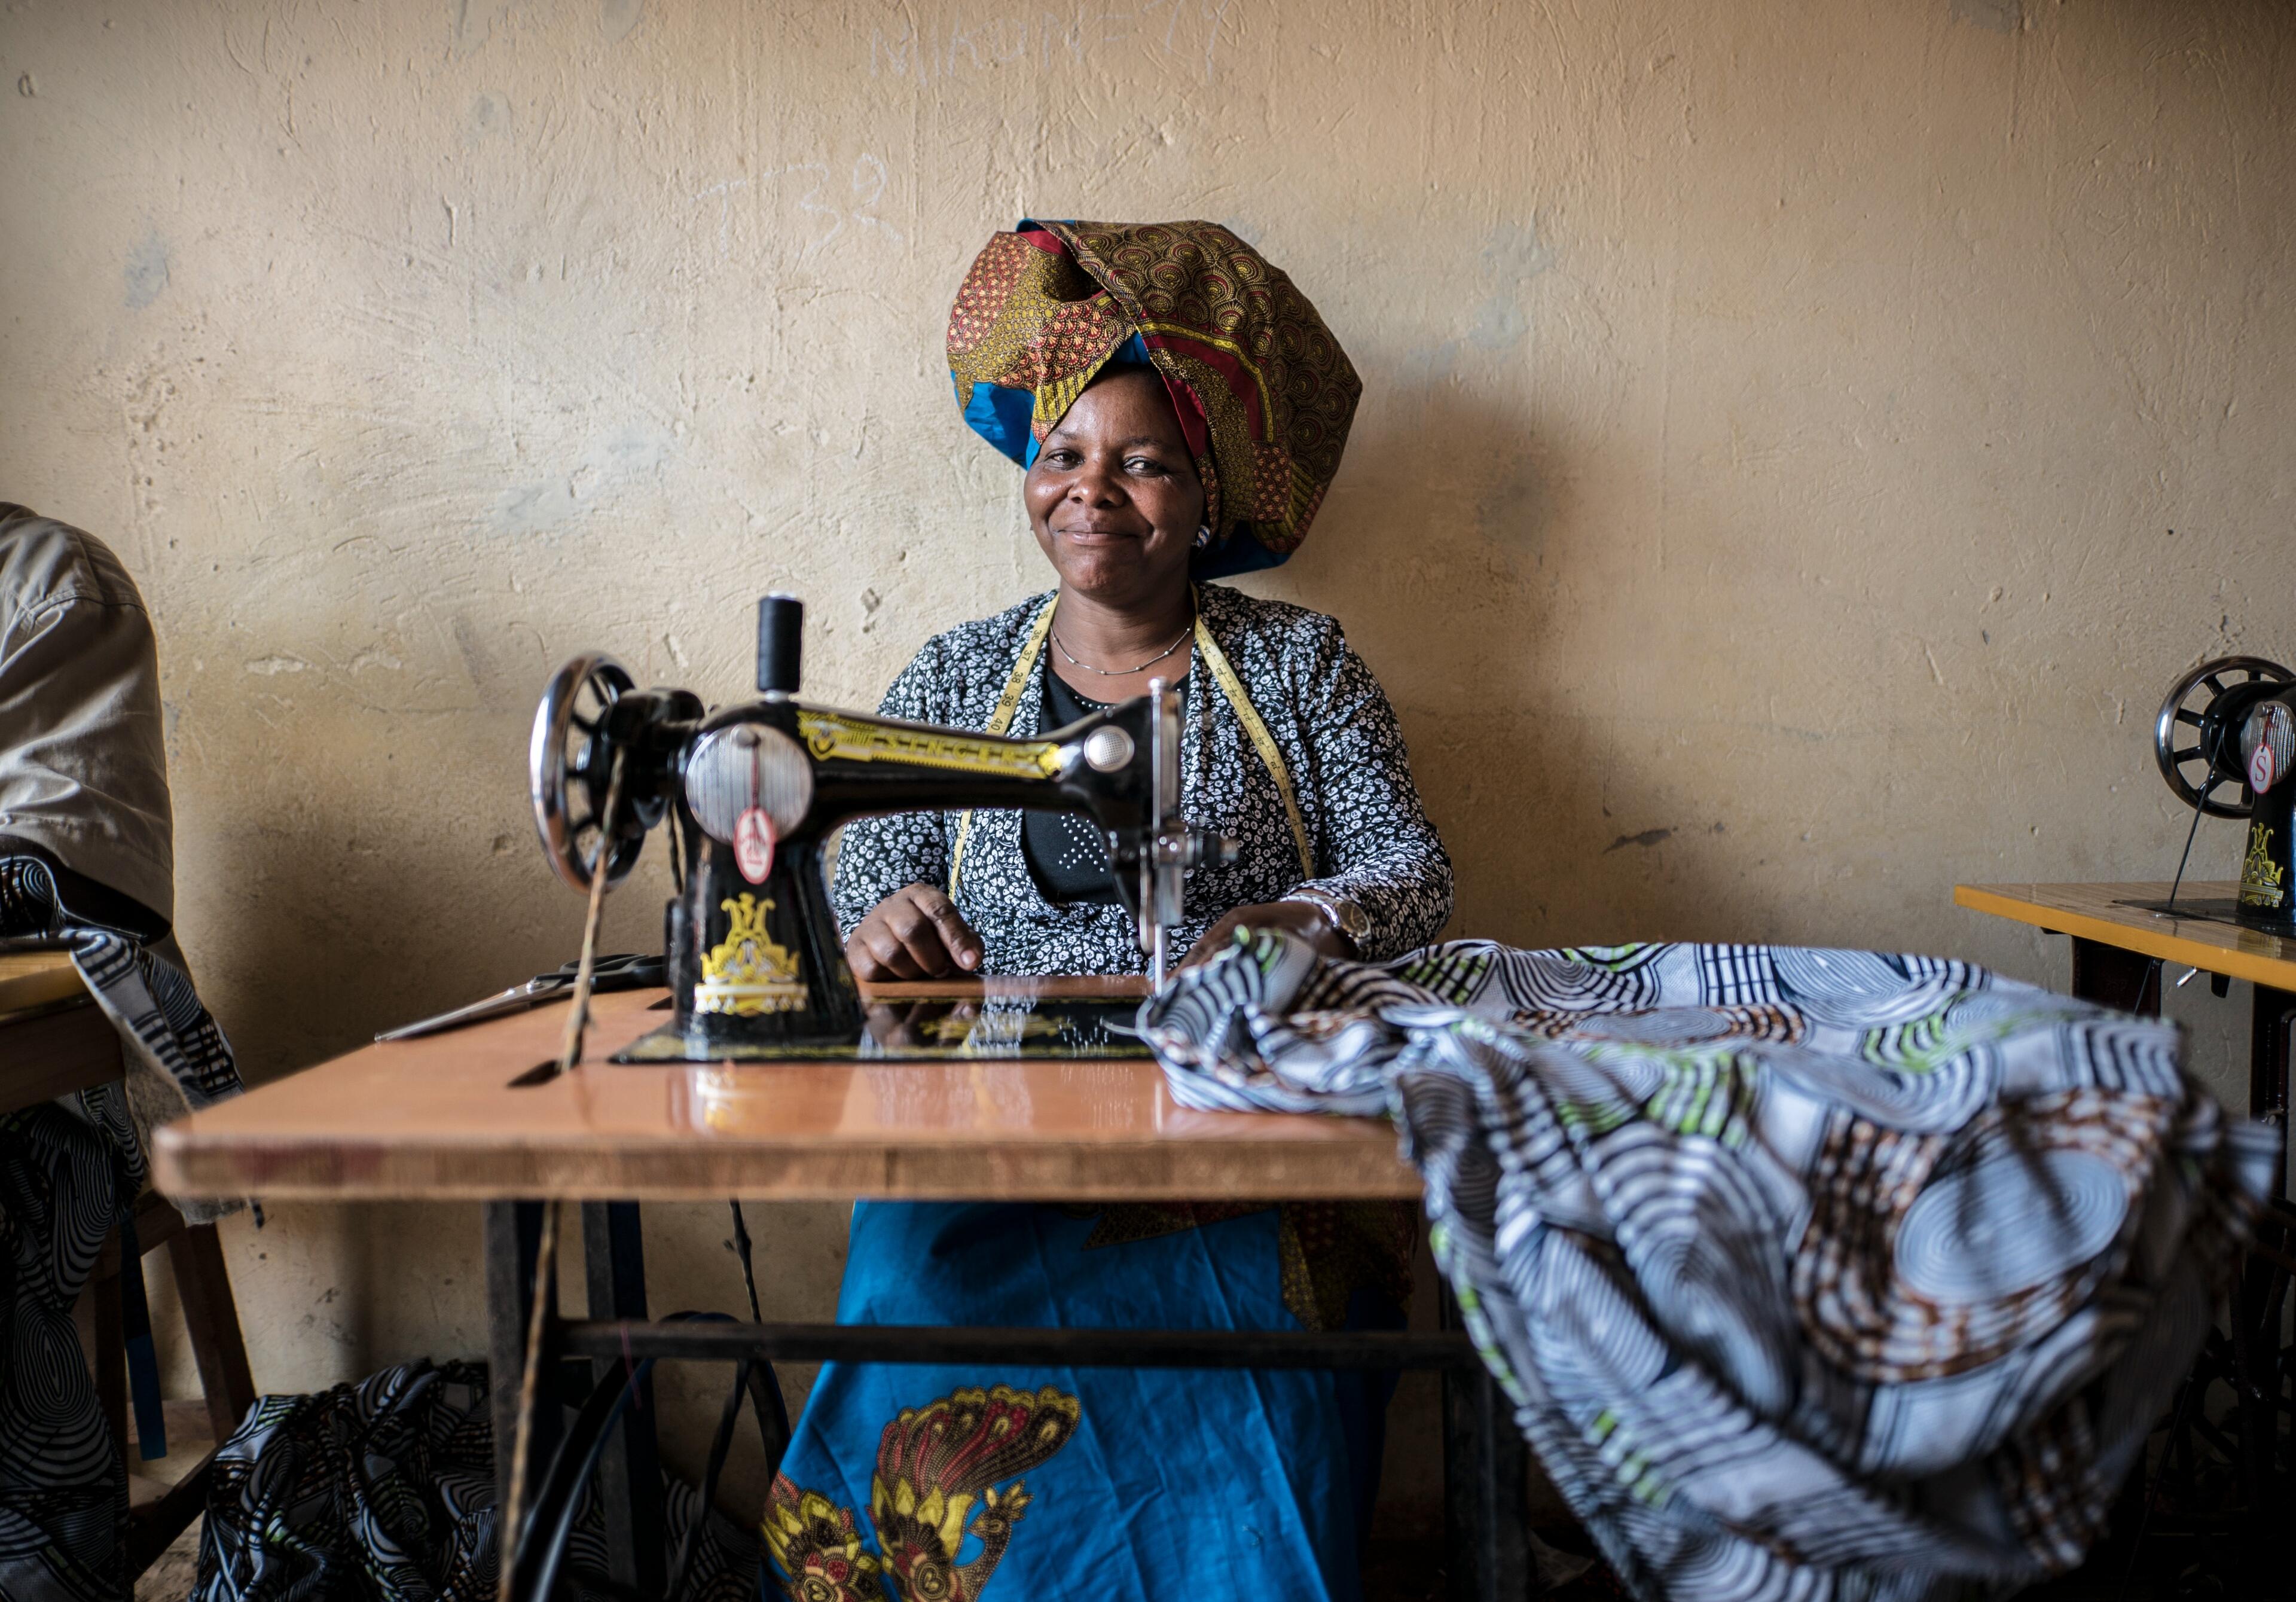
{"x":924,"y":1482}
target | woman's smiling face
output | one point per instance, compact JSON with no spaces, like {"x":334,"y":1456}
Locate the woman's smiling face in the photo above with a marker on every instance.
{"x":1113,"y":495}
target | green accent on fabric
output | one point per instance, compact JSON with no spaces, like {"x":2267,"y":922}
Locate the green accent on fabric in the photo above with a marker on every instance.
{"x":1704,"y":1093}
{"x":1455,"y":979}
{"x":1630,"y":1463}
{"x":1593,"y":1117}
{"x":1935,"y":1039}
{"x":1471,"y":1314}
{"x":1611,"y":959}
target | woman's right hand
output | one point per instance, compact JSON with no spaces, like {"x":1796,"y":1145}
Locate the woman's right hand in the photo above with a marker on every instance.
{"x":916,"y":932}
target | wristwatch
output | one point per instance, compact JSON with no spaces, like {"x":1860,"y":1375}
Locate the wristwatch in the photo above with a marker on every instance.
{"x":1343,"y":915}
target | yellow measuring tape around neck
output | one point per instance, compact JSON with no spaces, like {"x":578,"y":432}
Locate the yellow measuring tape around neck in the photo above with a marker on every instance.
{"x":1008,"y":704}
{"x":1000,"y":722}
{"x":1262,"y":741}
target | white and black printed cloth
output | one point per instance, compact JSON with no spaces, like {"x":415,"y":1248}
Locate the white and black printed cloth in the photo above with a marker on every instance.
{"x":70,"y":1172}
{"x":1812,"y":1275}
{"x":177,"y":1058}
{"x":1370,"y":837}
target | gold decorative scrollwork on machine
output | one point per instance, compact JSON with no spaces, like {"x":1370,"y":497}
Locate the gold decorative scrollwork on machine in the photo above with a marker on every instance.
{"x":827,"y":736}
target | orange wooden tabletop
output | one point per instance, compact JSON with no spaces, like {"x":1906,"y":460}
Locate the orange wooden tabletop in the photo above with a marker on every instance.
{"x":2113,"y":914}
{"x":39,"y":980}
{"x":53,"y":1039}
{"x":439,"y":1117}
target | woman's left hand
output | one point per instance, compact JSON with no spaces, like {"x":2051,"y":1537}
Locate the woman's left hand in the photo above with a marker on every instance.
{"x":1302,"y":918}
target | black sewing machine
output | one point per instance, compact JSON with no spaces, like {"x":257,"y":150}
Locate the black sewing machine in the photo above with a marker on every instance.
{"x":754,"y":964}
{"x":2225,"y":741}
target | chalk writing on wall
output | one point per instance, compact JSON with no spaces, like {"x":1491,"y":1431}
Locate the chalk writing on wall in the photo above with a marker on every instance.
{"x":833,"y":199}
{"x":933,"y":52}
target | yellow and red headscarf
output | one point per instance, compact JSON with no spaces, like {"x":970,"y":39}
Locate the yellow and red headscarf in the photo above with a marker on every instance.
{"x":1264,"y":392}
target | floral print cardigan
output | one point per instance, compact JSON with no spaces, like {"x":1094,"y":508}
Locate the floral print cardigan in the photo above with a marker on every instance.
{"x":1371,"y":839}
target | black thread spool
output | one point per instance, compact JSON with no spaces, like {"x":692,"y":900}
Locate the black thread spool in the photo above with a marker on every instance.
{"x":781,"y":643}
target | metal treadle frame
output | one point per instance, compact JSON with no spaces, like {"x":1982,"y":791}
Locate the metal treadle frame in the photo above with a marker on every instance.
{"x":2247,"y":1354}
{"x":1485,"y":1460}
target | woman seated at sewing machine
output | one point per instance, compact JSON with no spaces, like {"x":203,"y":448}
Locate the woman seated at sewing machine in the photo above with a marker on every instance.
{"x":1180,"y":409}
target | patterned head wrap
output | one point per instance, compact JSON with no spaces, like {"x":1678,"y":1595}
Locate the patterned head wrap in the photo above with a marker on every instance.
{"x":1264,"y":393}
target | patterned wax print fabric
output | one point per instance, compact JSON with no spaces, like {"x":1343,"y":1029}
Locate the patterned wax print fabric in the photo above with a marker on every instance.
{"x":69,"y":1170}
{"x":1370,"y":838}
{"x":1811,"y":1274}
{"x":176,"y":1056}
{"x":1264,"y":393}
{"x":64,"y":1488}
{"x":385,"y":1489}
{"x":925,"y":1483}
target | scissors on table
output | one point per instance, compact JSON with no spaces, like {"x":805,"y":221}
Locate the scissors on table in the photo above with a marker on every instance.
{"x":627,"y":970}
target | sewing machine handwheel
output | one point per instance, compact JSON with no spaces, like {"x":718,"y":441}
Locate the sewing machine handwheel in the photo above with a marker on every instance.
{"x":2178,"y":744}
{"x":568,"y":766}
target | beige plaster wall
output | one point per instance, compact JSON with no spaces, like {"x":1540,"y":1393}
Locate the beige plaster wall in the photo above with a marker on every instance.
{"x":1801,"y":441}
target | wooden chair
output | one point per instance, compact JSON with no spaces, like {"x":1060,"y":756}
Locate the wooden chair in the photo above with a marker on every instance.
{"x":54,"y":1040}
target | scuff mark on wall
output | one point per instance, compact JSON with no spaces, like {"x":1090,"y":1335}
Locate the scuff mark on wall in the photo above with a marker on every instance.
{"x":147,"y":271}
{"x":935,"y":50}
{"x":604,"y":468}
{"x":488,"y":118}
{"x":2002,"y":16}
{"x":617,"y":18}
{"x":472,"y":24}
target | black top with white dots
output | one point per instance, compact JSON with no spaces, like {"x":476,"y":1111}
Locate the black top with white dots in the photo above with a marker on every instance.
{"x":1066,"y":852}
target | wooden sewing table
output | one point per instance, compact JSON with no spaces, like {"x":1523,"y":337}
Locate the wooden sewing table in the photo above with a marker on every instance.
{"x":2122,"y":937}
{"x":442,"y":1117}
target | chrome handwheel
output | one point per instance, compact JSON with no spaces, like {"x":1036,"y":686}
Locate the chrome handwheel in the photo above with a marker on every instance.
{"x":2185,"y":745}
{"x":568,"y":764}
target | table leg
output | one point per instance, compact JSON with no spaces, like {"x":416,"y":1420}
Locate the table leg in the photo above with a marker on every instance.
{"x":2113,"y":977}
{"x":629,"y":1471}
{"x":108,"y":1357}
{"x":1485,"y":1464}
{"x":2262,"y":1290}
{"x":2268,"y":1067}
{"x":2130,"y":982}
{"x":211,"y":1320}
{"x":512,"y":1239}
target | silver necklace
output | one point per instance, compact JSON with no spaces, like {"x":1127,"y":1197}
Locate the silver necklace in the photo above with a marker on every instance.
{"x":1121,"y":672}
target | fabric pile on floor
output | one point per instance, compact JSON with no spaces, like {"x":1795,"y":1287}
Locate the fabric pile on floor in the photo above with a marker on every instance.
{"x":1817,"y":1274}
{"x":385,"y":1489}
